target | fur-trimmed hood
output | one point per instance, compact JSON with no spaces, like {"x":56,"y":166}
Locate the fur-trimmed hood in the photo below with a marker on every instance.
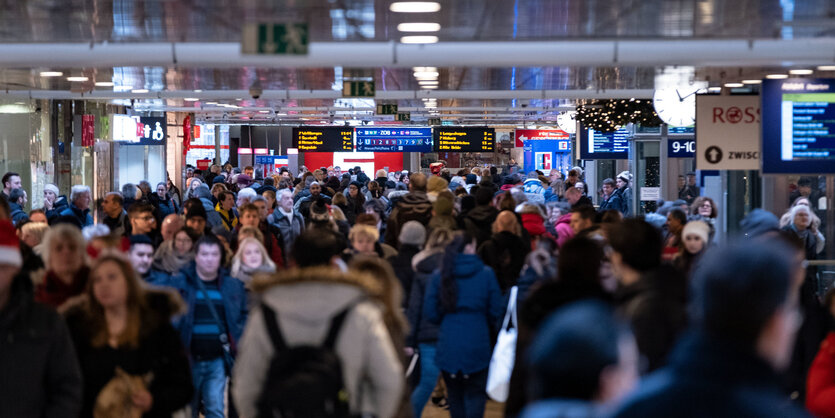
{"x":321,"y":274}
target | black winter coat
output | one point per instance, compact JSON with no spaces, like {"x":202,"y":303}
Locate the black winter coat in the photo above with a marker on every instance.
{"x":160,"y":352}
{"x":420,"y":329}
{"x":711,"y":378}
{"x":479,"y":222}
{"x":505,"y":252}
{"x":39,"y":374}
{"x":402,"y":266}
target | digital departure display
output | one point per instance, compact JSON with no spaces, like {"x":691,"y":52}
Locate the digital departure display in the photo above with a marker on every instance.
{"x":798,"y":132}
{"x":324,"y":138}
{"x":394,"y":139}
{"x":464,"y":139}
{"x":604,"y":146}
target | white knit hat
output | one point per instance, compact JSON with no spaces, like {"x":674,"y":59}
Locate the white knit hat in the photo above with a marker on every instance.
{"x":51,"y":188}
{"x":698,"y":228}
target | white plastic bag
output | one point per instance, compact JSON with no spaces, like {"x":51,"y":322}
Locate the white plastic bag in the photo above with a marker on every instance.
{"x":504,"y":354}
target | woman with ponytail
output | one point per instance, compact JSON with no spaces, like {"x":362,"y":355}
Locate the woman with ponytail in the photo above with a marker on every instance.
{"x":465,"y":300}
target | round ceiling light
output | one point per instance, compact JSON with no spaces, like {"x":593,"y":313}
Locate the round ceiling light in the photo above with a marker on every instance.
{"x":415,"y":7}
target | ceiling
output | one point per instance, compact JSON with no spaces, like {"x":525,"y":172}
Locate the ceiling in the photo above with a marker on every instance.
{"x":499,"y":28}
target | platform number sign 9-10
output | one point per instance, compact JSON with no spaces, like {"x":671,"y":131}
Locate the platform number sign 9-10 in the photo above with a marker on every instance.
{"x":681,"y":148}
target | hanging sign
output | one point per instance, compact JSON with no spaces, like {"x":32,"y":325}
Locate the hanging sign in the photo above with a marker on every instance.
{"x":727,"y":132}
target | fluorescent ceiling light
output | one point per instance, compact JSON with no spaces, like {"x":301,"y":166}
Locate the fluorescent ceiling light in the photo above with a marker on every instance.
{"x":51,"y":74}
{"x":777,"y":76}
{"x":419,"y":39}
{"x":427,"y":82}
{"x":826,"y":68}
{"x":428,"y":87}
{"x":752,"y":81}
{"x":801,"y":71}
{"x":104,"y":84}
{"x":415,"y":7}
{"x":198,"y":91}
{"x":78,"y":78}
{"x":263,"y":111}
{"x":191,"y":99}
{"x":139,"y":91}
{"x":419,"y":69}
{"x":211,"y":103}
{"x":733,"y":85}
{"x":419,"y":27}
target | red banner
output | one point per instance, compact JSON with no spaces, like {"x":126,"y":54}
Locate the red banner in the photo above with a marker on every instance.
{"x":88,"y":130}
{"x":186,"y":136}
{"x":203,"y":164}
{"x":534,"y":134}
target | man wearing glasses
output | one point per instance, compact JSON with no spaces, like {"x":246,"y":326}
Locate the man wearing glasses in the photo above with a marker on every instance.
{"x":143,"y":222}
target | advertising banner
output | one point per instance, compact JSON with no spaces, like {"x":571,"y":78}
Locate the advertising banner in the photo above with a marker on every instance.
{"x":727,"y":132}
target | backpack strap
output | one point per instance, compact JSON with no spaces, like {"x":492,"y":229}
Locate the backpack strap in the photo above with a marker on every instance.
{"x":336,"y":325}
{"x":271,"y":320}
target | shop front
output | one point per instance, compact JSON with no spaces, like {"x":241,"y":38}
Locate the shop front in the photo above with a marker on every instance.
{"x":138,"y":149}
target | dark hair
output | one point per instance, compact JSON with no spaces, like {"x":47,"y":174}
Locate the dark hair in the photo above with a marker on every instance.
{"x":15,"y":195}
{"x":694,"y":208}
{"x":117,"y":197}
{"x":139,"y":207}
{"x":210,"y":239}
{"x":140,"y":239}
{"x":572,"y":348}
{"x":638,"y":242}
{"x":609,"y":182}
{"x":747,"y":282}
{"x":268,"y":181}
{"x":580,"y":260}
{"x":449,"y":289}
{"x":678,"y":214}
{"x":8,"y":176}
{"x":586,"y":212}
{"x":194,"y":207}
{"x":316,"y":247}
{"x":222,"y":195}
{"x":610,"y":216}
{"x":802,"y":182}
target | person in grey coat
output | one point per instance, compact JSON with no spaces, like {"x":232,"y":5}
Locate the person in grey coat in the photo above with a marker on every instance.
{"x":287,"y":219}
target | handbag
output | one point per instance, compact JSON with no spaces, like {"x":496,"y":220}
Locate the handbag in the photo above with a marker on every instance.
{"x":504,"y":354}
{"x":228,"y":358}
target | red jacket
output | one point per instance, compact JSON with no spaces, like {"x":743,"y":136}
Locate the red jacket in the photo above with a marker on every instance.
{"x":820,"y":383}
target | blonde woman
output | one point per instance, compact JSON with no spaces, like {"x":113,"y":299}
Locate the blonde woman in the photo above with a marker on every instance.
{"x":119,"y":328}
{"x":251,"y":259}
{"x":66,"y":266}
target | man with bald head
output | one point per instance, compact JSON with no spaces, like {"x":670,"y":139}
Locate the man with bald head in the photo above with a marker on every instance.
{"x":170,"y":225}
{"x":576,"y":198}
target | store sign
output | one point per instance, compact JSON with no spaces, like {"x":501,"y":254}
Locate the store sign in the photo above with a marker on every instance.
{"x":539,"y":134}
{"x":728,"y":132}
{"x":136,"y":130}
{"x":543,"y":161}
{"x":681,"y":148}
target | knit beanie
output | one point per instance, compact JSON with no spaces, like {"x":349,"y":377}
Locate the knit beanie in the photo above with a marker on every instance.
{"x":625,"y":176}
{"x":9,"y":245}
{"x":698,"y":228}
{"x":413,"y":233}
{"x":51,"y":188}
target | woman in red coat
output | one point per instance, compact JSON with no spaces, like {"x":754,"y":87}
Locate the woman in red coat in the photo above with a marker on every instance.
{"x":820,"y":382}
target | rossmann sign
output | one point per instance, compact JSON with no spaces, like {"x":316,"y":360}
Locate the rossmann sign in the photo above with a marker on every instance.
{"x":728,"y":132}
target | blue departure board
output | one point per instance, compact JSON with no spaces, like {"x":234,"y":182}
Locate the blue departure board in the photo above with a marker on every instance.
{"x":604,"y":146}
{"x":394,"y":139}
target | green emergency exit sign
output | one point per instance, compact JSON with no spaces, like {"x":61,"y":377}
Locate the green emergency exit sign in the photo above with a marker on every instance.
{"x":404,"y":116}
{"x":386,"y":109}
{"x":358,"y":89}
{"x":275,"y":39}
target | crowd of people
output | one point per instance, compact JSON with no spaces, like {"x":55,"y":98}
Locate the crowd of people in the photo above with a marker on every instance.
{"x":333,"y":293}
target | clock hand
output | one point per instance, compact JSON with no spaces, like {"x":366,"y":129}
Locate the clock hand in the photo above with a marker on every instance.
{"x":694,"y":92}
{"x":679,"y":96}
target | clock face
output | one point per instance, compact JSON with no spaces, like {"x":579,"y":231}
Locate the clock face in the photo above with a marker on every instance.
{"x":567,"y":121}
{"x":676,"y":106}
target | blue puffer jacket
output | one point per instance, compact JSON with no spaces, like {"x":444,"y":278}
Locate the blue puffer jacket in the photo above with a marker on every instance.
{"x":234,"y":301}
{"x":534,"y":186}
{"x":464,"y":343}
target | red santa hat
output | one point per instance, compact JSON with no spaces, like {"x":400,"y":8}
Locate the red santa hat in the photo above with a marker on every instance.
{"x":9,"y":245}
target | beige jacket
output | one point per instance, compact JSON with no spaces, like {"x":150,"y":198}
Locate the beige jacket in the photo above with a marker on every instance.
{"x":305,"y":301}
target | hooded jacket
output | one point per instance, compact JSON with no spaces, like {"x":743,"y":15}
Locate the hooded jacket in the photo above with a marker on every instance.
{"x":39,"y":376}
{"x":234,"y":301}
{"x":533,"y":185}
{"x":465,"y":343}
{"x":615,"y":201}
{"x":564,"y":230}
{"x":83,"y":216}
{"x":305,"y":301}
{"x":212,"y":217}
{"x":230,"y":220}
{"x":505,"y":252}
{"x":165,"y":206}
{"x":58,"y":206}
{"x":159,"y":352}
{"x":414,"y":206}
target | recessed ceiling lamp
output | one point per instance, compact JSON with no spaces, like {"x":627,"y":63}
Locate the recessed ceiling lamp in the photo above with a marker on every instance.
{"x":801,"y":71}
{"x":139,"y":91}
{"x":419,"y":39}
{"x":51,"y":74}
{"x":733,"y":85}
{"x":777,"y":76}
{"x":752,"y":81}
{"x":419,"y":27}
{"x":104,"y":84}
{"x":77,"y":78}
{"x":415,"y":7}
{"x":826,"y":68}
{"x":191,"y":99}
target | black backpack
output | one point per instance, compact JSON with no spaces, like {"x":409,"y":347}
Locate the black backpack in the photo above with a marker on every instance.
{"x":304,"y":381}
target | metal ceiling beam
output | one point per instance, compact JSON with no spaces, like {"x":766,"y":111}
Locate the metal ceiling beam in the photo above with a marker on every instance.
{"x":574,"y":52}
{"x":335,"y":94}
{"x":219,"y":109}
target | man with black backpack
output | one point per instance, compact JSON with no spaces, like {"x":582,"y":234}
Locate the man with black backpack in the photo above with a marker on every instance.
{"x":317,"y":346}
